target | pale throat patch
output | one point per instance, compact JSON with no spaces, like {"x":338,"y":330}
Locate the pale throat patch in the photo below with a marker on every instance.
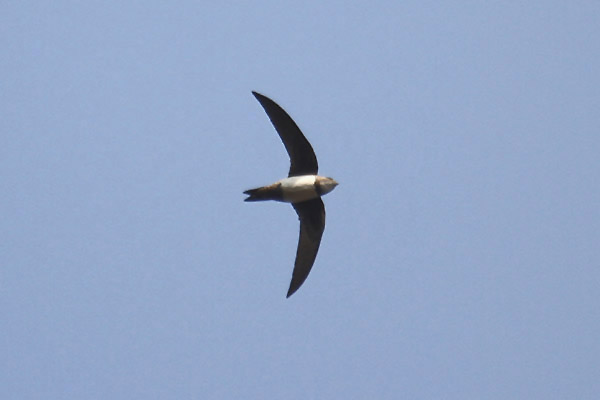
{"x":299,"y":188}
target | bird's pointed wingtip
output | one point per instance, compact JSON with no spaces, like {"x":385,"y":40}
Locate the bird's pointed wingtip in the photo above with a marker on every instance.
{"x":260,"y":97}
{"x":290,"y":292}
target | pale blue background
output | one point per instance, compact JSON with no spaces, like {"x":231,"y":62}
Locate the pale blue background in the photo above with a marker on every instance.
{"x":461,"y":258}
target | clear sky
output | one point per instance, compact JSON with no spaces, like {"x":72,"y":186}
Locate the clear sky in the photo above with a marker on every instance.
{"x":461,"y":257}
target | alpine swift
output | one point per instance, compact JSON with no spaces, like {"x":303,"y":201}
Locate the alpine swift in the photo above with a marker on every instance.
{"x":303,"y":188}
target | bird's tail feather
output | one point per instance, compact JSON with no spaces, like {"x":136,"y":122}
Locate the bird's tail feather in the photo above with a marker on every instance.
{"x":258,"y":194}
{"x":270,"y":192}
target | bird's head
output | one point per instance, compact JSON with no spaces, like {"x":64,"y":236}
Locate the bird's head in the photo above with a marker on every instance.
{"x":325,"y":184}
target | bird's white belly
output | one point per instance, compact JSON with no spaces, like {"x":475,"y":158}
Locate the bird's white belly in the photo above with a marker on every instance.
{"x":298,"y":188}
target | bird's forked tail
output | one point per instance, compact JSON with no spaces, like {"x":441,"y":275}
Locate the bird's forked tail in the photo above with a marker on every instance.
{"x":271,"y":192}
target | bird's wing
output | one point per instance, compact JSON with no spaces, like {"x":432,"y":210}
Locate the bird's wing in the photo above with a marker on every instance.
{"x":312,"y":224}
{"x":302,"y":157}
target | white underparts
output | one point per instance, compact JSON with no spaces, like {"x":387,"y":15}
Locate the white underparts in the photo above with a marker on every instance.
{"x":298,"y":188}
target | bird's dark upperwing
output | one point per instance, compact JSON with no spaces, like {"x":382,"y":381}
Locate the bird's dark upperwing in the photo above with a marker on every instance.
{"x":302,"y":157}
{"x":312,"y":224}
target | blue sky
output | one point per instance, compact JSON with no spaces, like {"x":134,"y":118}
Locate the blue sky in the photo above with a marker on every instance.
{"x":461,"y":257}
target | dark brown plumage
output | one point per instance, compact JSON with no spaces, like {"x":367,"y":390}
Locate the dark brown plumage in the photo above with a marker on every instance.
{"x":303,"y":160}
{"x":311,"y":214}
{"x":303,"y":172}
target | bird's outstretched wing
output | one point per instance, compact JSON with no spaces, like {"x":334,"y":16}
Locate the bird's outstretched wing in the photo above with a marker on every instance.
{"x":312,"y":224}
{"x":302,"y":157}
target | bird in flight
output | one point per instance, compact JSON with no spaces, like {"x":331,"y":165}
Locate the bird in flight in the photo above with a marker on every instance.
{"x":303,"y":188}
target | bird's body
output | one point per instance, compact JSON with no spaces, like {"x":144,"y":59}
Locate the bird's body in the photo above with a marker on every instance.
{"x":294,"y":189}
{"x":303,"y":188}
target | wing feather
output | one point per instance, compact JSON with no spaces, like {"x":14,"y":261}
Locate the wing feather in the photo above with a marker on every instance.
{"x":303,"y":160}
{"x":312,"y":224}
